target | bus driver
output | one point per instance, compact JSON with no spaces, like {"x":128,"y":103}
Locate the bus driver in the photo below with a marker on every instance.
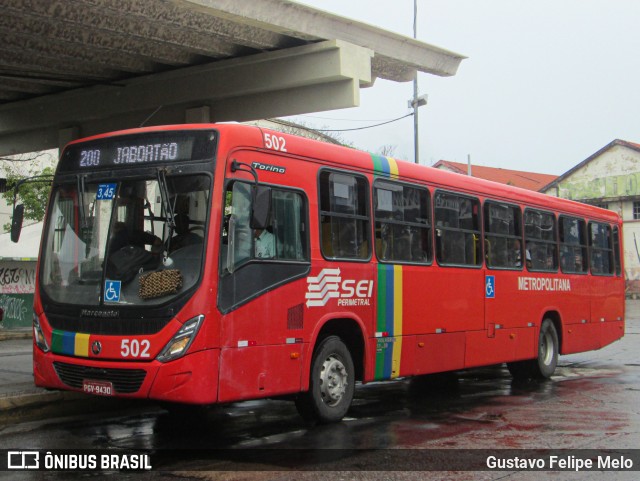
{"x":265,"y":245}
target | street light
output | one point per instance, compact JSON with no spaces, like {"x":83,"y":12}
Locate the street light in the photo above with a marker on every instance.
{"x":414,"y":103}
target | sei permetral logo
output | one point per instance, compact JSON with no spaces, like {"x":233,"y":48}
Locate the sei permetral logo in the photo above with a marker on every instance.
{"x":329,"y":284}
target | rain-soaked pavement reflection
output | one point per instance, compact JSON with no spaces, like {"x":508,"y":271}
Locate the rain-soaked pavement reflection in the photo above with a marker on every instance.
{"x":592,"y":402}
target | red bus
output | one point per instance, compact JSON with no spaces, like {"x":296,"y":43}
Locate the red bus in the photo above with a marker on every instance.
{"x":203,"y":264}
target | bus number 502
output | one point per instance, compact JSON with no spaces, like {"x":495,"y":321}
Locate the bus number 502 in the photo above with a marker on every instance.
{"x":134,"y":348}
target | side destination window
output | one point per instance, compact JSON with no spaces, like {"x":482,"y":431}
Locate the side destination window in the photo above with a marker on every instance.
{"x":458,"y":236}
{"x":284,"y":239}
{"x":403,"y":228}
{"x":503,"y":236}
{"x":601,"y":245}
{"x":573,"y":245}
{"x":540,"y":241}
{"x":344,"y":216}
{"x":255,"y":261}
{"x":616,"y":250}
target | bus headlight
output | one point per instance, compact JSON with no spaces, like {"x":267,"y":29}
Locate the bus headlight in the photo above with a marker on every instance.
{"x":38,"y":335}
{"x":179,"y":343}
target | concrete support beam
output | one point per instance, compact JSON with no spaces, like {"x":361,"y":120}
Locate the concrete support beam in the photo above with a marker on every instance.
{"x":396,"y":56}
{"x":310,"y":78}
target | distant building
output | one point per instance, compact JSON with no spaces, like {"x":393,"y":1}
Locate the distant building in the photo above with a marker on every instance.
{"x":610,"y":178}
{"x":517,"y":178}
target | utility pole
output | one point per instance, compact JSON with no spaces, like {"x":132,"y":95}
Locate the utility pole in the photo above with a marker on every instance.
{"x":416,"y":101}
{"x":415,"y":90}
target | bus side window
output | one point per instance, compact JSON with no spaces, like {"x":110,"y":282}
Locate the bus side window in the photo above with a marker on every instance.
{"x":601,"y":246}
{"x":503,"y":235}
{"x":284,"y":239}
{"x":344,"y":216}
{"x":540,"y":240}
{"x":288,"y":225}
{"x":616,"y":250}
{"x":458,"y":235}
{"x":402,"y":222}
{"x":573,"y":245}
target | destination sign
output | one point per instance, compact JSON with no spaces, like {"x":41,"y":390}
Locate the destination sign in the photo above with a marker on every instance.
{"x":139,"y":150}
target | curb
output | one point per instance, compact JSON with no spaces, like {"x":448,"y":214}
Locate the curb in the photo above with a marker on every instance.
{"x":32,"y":399}
{"x":12,"y":335}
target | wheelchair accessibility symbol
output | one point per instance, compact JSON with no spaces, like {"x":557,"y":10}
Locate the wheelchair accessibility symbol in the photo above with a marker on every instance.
{"x":112,"y":291}
{"x":490,"y":287}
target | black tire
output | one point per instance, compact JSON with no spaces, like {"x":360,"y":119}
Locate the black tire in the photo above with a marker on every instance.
{"x":331,"y":383}
{"x":548,"y":346}
{"x":544,"y":365}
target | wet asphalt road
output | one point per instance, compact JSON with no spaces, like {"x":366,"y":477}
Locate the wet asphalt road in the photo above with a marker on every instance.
{"x":593,"y":402}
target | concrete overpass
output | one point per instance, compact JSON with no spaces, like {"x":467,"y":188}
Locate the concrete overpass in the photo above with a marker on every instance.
{"x":71,"y":68}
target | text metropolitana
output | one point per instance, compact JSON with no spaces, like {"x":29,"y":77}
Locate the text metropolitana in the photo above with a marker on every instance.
{"x":543,"y":284}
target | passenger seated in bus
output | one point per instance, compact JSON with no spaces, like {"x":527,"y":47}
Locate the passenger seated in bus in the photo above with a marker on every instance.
{"x":516,"y":253}
{"x":567,"y":260}
{"x":265,"y":244}
{"x":529,"y":255}
{"x":184,"y":236}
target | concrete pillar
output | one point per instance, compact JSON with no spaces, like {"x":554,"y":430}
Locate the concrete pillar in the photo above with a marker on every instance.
{"x":198,"y":115}
{"x":67,"y":135}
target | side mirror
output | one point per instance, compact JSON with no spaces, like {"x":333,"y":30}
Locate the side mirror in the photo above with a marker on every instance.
{"x":16,"y":222}
{"x":261,"y":207}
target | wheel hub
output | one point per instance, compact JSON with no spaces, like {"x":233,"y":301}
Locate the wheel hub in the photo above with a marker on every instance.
{"x":547,"y":348}
{"x":333,"y":380}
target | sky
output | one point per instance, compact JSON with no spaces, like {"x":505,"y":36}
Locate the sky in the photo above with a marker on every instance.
{"x":546,"y":84}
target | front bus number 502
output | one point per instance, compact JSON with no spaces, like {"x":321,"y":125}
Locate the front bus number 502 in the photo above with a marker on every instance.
{"x":274,"y":142}
{"x":134,"y":348}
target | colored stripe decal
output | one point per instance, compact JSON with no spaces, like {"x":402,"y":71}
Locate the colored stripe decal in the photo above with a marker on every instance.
{"x":389,"y":299}
{"x":82,"y":345}
{"x":70,"y":343}
{"x":389,"y":320}
{"x":385,"y":166}
{"x":397,"y":321}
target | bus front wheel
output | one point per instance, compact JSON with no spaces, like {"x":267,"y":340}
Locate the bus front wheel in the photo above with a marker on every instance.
{"x":544,"y":365}
{"x":331,"y":384}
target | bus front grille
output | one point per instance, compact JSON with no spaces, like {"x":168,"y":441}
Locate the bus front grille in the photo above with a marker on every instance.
{"x":125,"y":381}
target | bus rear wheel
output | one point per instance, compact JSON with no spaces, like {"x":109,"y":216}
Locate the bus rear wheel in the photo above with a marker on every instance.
{"x":545,"y":364}
{"x":332,"y":383}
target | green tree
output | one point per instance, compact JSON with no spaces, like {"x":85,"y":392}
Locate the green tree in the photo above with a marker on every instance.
{"x":34,"y":195}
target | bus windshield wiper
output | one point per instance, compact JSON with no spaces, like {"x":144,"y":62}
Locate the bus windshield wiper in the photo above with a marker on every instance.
{"x":166,"y":204}
{"x":81,"y":192}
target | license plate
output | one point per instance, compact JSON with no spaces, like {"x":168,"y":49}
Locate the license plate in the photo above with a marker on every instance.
{"x":99,"y":388}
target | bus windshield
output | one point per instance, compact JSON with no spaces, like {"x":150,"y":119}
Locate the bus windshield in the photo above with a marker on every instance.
{"x":133,"y":242}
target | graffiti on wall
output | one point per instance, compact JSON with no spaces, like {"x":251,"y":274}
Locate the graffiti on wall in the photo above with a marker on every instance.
{"x":17,"y":285}
{"x":17,"y":278}
{"x":15,"y":308}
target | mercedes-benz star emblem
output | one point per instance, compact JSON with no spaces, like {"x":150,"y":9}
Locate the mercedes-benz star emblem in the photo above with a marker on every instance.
{"x":96,"y":347}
